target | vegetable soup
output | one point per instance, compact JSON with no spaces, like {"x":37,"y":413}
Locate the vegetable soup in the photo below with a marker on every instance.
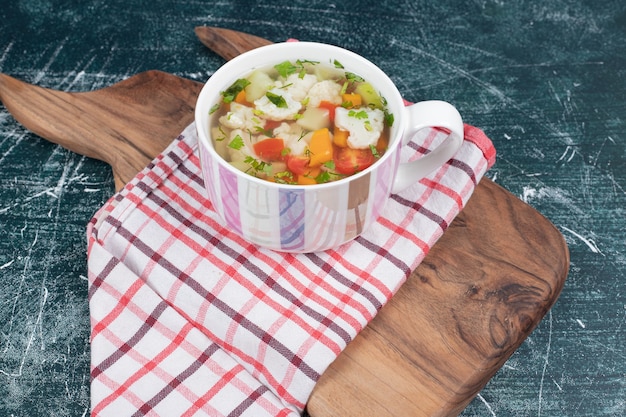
{"x":301,"y":122}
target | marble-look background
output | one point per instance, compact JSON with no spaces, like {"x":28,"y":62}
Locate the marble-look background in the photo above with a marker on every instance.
{"x":546,"y":80}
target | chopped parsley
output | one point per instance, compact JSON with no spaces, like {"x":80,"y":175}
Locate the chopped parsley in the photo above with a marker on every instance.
{"x":361,"y":114}
{"x":231,"y":92}
{"x":330,"y":164}
{"x":284,"y":177}
{"x":350,"y":76}
{"x":215,"y":108}
{"x":221,"y":138}
{"x":258,"y":166}
{"x":236,"y":143}
{"x":344,"y":88}
{"x":266,"y":132}
{"x":278,"y":100}
{"x":286,"y":68}
{"x":389,"y":119}
{"x":327,"y":176}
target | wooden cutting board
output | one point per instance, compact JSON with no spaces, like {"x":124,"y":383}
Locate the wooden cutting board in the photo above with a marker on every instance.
{"x":477,"y":295}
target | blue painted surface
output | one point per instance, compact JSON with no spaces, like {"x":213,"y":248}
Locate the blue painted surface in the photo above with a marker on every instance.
{"x":546,"y":80}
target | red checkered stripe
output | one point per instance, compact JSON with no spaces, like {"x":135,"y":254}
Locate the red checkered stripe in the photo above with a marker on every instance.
{"x":148,"y":360}
{"x":283,"y":318}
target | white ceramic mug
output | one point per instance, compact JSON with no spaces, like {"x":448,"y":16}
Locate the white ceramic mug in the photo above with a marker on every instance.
{"x":309,"y":218}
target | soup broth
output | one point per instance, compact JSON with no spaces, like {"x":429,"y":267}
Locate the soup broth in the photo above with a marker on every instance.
{"x":301,"y":122}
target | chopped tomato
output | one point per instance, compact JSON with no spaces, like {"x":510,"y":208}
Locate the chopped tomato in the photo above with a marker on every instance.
{"x":349,"y":161}
{"x":272,"y":124}
{"x":270,"y":149}
{"x":299,"y":165}
{"x":330,"y":107}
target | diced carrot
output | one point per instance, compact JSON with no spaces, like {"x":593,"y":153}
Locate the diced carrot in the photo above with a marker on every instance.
{"x":306,"y":180}
{"x":297,"y":164}
{"x":241,"y":98}
{"x":382,"y":144}
{"x":351,"y":100}
{"x":309,"y":177}
{"x":340,"y":137}
{"x":320,"y":147}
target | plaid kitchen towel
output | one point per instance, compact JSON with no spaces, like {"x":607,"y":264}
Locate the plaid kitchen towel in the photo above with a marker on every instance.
{"x":189,"y":319}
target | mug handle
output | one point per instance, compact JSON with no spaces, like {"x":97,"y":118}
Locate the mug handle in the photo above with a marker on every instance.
{"x":432,"y":113}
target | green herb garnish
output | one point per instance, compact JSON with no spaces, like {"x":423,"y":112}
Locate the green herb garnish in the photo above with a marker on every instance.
{"x":361,"y":114}
{"x":236,"y":143}
{"x":284,"y":177}
{"x":350,"y":76}
{"x":231,"y":92}
{"x":330,"y":164}
{"x":221,"y":138}
{"x":327,"y":176}
{"x":286,"y":68}
{"x":389,"y":119}
{"x":215,"y":108}
{"x":262,"y":131}
{"x":277,"y":100}
{"x":344,"y":88}
{"x":258,"y":166}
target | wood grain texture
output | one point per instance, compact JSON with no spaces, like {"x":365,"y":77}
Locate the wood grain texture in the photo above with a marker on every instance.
{"x":228,"y":43}
{"x":125,"y":125}
{"x":480,"y":291}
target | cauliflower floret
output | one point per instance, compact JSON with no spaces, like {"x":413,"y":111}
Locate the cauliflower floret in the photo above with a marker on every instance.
{"x":299,"y":87}
{"x":272,"y":111}
{"x":293,"y":136}
{"x":326,"y":90}
{"x":240,"y":117}
{"x":364,"y":124}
